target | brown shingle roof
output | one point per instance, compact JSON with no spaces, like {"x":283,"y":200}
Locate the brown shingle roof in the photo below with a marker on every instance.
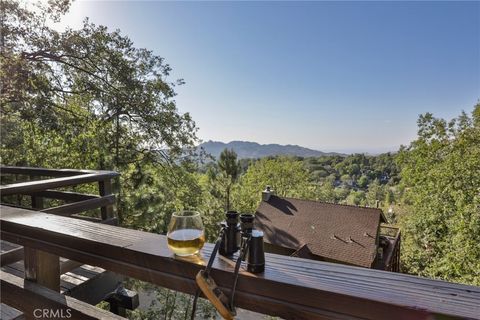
{"x":338,"y":232}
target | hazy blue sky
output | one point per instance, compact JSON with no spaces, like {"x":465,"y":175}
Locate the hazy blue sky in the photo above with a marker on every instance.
{"x":334,"y":76}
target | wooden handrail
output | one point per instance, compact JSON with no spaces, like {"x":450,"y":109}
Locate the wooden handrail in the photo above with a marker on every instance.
{"x":33,"y":171}
{"x":291,"y":288}
{"x":40,"y":185}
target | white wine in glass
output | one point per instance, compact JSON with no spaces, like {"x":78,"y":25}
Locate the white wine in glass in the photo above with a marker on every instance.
{"x":186,"y":234}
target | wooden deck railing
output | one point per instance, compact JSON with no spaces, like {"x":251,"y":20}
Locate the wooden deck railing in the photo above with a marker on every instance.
{"x":45,"y":184}
{"x":392,"y":260}
{"x":291,"y":288}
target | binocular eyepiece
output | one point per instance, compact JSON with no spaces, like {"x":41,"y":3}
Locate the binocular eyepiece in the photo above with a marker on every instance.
{"x":233,"y":235}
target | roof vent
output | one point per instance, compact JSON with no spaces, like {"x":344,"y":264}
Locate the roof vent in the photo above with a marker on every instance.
{"x":267,"y":193}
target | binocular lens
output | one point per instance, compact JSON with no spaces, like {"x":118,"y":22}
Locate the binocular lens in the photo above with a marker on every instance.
{"x":246,"y":217}
{"x":246,"y":222}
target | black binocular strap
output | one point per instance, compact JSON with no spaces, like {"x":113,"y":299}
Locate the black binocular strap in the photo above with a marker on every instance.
{"x":241,"y":257}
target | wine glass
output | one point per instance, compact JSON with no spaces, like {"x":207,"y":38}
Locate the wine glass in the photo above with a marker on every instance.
{"x":186,"y":234}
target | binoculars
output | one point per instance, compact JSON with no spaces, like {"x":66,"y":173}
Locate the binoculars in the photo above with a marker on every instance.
{"x":243,"y":236}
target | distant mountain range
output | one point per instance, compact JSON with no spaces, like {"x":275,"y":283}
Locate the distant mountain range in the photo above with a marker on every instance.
{"x":246,"y":149}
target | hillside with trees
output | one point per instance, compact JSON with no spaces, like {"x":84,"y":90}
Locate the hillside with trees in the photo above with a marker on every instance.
{"x":253,"y":150}
{"x":90,"y":99}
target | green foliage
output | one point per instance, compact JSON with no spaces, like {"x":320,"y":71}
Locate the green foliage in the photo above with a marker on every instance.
{"x":213,"y":203}
{"x":357,"y":179}
{"x":169,"y":304}
{"x":153,"y":192}
{"x":375,"y":193}
{"x":229,"y":170}
{"x":228,"y":164}
{"x":288,"y":177}
{"x":89,"y":99}
{"x":326,"y":191}
{"x":63,"y":80}
{"x":356,"y":198}
{"x":441,"y":176}
{"x":362,"y":182}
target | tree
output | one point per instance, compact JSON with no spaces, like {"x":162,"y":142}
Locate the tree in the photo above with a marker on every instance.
{"x":441,"y":177}
{"x":341,"y":194}
{"x":375,"y":193}
{"x":58,"y":81}
{"x":326,"y":191}
{"x":287,"y":177}
{"x":389,"y":197}
{"x":87,"y":98}
{"x":229,"y":169}
{"x":356,"y":198}
{"x":362,"y":182}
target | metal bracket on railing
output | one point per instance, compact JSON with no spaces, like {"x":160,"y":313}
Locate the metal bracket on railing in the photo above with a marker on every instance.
{"x":121,"y":299}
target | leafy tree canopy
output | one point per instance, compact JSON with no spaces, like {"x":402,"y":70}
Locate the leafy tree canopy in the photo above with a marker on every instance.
{"x":57,"y":81}
{"x":287,"y":177}
{"x":441,"y":176}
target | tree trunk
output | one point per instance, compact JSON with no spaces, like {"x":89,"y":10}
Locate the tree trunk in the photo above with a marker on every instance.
{"x":228,"y":199}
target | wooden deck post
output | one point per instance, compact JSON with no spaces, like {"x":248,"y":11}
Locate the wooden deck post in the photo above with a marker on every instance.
{"x":42,"y":267}
{"x":37,"y":202}
{"x":105,"y":188}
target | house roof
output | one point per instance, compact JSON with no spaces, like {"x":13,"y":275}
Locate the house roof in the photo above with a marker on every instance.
{"x":339,"y":232}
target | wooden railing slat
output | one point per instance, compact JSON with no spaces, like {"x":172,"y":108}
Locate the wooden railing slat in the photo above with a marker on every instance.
{"x":81,"y":206}
{"x":64,"y":195}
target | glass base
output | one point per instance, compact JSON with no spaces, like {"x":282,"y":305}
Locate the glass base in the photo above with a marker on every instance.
{"x":187,"y":254}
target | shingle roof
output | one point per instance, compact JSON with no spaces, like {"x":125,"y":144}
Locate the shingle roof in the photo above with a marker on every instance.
{"x":340,"y":232}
